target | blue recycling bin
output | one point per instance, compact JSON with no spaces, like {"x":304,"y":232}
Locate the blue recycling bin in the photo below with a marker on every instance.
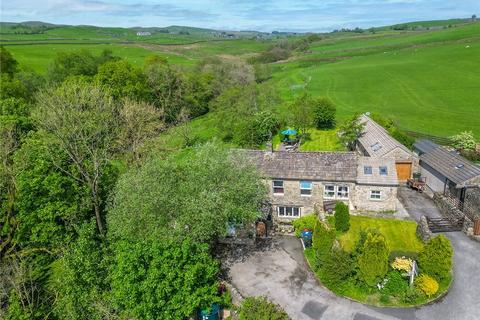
{"x":212,"y":314}
{"x":307,"y":237}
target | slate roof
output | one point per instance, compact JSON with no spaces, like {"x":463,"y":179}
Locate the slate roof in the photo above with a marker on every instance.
{"x":451,"y":165}
{"x":376,"y":141}
{"x":324,"y":166}
{"x":320,"y":166}
{"x":425,"y":145}
{"x":375,"y":178}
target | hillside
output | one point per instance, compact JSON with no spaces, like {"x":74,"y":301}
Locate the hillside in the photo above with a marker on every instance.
{"x":425,"y":80}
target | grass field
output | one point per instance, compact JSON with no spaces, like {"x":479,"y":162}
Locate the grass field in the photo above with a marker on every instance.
{"x":400,"y":235}
{"x":427,"y":80}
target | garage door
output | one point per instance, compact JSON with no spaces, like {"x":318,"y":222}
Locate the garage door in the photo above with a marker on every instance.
{"x":404,"y":170}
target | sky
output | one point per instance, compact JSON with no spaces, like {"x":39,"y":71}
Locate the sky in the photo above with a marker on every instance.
{"x":261,"y":15}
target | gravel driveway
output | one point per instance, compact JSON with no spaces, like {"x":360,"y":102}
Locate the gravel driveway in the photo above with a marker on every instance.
{"x":281,"y":274}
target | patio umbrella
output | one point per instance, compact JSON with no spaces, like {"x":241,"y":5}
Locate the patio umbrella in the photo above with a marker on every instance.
{"x":289,"y":132}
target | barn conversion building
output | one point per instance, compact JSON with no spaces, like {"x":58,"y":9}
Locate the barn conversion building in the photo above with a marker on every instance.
{"x":376,"y":142}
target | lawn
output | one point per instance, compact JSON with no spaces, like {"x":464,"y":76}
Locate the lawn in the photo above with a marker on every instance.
{"x":400,"y":235}
{"x":322,"y":140}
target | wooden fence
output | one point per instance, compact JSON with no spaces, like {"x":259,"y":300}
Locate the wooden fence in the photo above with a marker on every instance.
{"x":444,"y":141}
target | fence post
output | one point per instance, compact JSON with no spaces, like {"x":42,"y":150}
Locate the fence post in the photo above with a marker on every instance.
{"x":476,"y":227}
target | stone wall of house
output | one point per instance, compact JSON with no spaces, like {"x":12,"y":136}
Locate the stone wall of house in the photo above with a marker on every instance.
{"x":363,"y":202}
{"x":308,"y":204}
{"x":359,"y":199}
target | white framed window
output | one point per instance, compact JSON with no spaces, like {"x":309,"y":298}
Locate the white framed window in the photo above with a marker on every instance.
{"x":342,"y":192}
{"x":329,"y":192}
{"x":375,"y":194}
{"x":278,"y":187}
{"x":288,"y":212}
{"x":305,"y":188}
{"x":367,"y":170}
{"x":383,"y":171}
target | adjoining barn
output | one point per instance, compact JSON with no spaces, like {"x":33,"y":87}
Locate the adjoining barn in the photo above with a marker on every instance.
{"x":447,"y":172}
{"x":376,"y":142}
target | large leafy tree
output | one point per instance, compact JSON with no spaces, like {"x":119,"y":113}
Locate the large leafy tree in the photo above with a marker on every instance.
{"x":78,"y":63}
{"x":168,"y":88}
{"x":123,"y":80}
{"x":49,"y":202}
{"x":163,"y":279}
{"x":350,"y":131}
{"x":79,"y":278}
{"x":8,"y":64}
{"x":324,"y":113}
{"x":195,"y":194}
{"x":81,"y":120}
{"x":301,"y":113}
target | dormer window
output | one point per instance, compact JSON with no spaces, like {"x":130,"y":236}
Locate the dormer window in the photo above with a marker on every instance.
{"x":383,"y":171}
{"x":367,"y":170}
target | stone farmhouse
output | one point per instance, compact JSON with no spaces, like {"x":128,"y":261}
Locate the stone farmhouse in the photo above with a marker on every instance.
{"x":300,"y":183}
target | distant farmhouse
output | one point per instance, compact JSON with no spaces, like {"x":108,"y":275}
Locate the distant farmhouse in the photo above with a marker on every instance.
{"x":143,"y":33}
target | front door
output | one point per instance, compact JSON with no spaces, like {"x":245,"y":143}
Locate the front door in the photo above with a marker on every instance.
{"x":404,"y":171}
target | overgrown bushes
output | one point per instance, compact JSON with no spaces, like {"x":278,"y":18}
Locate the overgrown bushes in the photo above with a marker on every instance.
{"x":305,"y":222}
{"x":259,"y":308}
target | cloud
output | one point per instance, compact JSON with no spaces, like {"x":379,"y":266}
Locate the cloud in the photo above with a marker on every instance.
{"x":267,"y":15}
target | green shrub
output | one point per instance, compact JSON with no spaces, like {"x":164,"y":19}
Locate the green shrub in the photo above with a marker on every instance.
{"x":436,"y":258}
{"x":427,"y":284}
{"x":342,"y":217}
{"x":384,"y":298}
{"x":305,"y":222}
{"x":373,"y":260}
{"x":412,"y":295}
{"x":396,"y":284}
{"x":324,"y":113}
{"x":338,"y":267}
{"x":259,"y":308}
{"x":322,"y":241}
